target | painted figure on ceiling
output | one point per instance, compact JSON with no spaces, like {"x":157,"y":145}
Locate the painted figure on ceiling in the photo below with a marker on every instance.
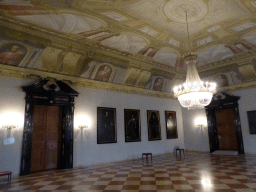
{"x":12,"y":54}
{"x":158,"y":84}
{"x":103,"y":73}
{"x":221,"y":80}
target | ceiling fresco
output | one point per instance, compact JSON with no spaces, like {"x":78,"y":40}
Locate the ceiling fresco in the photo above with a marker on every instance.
{"x":127,"y":45}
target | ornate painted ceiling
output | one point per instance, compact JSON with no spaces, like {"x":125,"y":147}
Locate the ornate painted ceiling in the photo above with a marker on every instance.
{"x":132,"y":46}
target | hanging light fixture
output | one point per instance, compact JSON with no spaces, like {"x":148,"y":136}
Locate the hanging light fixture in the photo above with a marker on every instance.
{"x":194,"y":93}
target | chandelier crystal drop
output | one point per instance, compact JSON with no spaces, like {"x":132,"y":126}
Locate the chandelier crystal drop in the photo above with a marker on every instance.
{"x":194,"y":93}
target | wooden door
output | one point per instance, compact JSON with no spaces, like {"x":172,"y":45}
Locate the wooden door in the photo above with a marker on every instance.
{"x":46,"y":138}
{"x":38,"y":139}
{"x":226,"y":129}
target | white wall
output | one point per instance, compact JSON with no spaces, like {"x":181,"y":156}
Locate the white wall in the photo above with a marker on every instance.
{"x":88,"y":152}
{"x":86,"y":149}
{"x":247,"y":102}
{"x":195,"y":138}
{"x":12,"y":99}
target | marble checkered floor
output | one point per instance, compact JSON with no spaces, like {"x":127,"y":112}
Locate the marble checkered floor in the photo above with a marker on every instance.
{"x":166,"y":173}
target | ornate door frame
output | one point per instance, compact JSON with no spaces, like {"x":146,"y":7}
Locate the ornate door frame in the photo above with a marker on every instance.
{"x":52,"y":93}
{"x":223,"y":101}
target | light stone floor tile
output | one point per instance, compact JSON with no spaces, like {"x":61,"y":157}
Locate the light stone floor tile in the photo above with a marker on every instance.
{"x":72,"y":182}
{"x":101,"y":183}
{"x":163,"y":182}
{"x":147,"y":187}
{"x":148,"y":179}
{"x":81,"y":187}
{"x":132,"y":183}
{"x":230,"y":181}
{"x":43,"y":183}
{"x":220,"y":186}
{"x":182,"y":187}
{"x":251,"y":185}
{"x":178,"y":178}
{"x":114,"y":187}
{"x":49,"y":187}
{"x":119,"y":179}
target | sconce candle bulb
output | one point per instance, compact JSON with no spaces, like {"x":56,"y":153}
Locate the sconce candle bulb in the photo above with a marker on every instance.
{"x":10,"y":126}
{"x":201,"y":122}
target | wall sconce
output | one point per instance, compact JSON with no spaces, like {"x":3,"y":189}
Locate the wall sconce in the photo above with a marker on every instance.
{"x":201,"y":122}
{"x":83,"y":126}
{"x":9,"y":121}
{"x":10,"y":126}
{"x":82,"y":122}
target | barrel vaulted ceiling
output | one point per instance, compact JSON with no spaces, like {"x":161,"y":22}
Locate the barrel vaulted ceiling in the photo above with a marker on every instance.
{"x":138,"y":42}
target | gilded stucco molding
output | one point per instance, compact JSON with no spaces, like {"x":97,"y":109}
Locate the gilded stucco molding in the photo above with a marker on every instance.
{"x":238,"y":87}
{"x":61,"y":40}
{"x":239,"y":60}
{"x":11,"y":71}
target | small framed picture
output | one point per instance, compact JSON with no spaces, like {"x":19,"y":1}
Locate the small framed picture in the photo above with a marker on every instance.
{"x":132,"y":125}
{"x":154,"y":129}
{"x":106,"y":125}
{"x":171,"y":124}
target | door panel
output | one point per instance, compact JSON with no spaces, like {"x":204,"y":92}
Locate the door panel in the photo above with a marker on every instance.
{"x":52,"y":136}
{"x":46,"y":137}
{"x":226,"y":129}
{"x":38,"y":139}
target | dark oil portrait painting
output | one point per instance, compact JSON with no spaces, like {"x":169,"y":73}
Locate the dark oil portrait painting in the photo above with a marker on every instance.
{"x":132,"y":125}
{"x":171,"y":124}
{"x":252,"y":121}
{"x":154,"y":129}
{"x":106,"y":125}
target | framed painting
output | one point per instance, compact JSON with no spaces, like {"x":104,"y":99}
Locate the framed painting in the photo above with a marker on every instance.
{"x":106,"y":125}
{"x":154,"y":128}
{"x":171,"y":125}
{"x":132,"y":125}
{"x":252,"y":121}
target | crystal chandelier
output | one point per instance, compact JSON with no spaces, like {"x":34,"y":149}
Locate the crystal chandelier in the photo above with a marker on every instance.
{"x":194,"y":93}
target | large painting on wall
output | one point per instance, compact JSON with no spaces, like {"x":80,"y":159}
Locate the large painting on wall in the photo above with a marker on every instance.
{"x":12,"y":54}
{"x":154,"y":129}
{"x":132,"y":125}
{"x":252,"y":121}
{"x":106,"y":125}
{"x":171,"y":124}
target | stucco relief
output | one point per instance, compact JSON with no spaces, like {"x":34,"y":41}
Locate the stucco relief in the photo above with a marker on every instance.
{"x":175,"y":10}
{"x":213,"y":54}
{"x":126,"y":42}
{"x":166,"y":56}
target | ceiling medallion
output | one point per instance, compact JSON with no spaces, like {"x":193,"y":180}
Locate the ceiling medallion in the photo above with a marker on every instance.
{"x":175,"y":10}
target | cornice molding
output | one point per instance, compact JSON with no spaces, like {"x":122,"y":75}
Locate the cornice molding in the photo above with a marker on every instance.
{"x":228,"y":64}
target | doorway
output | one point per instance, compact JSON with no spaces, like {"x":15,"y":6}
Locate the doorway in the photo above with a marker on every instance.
{"x":54,"y":149}
{"x":45,"y":138}
{"x":226,"y":129}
